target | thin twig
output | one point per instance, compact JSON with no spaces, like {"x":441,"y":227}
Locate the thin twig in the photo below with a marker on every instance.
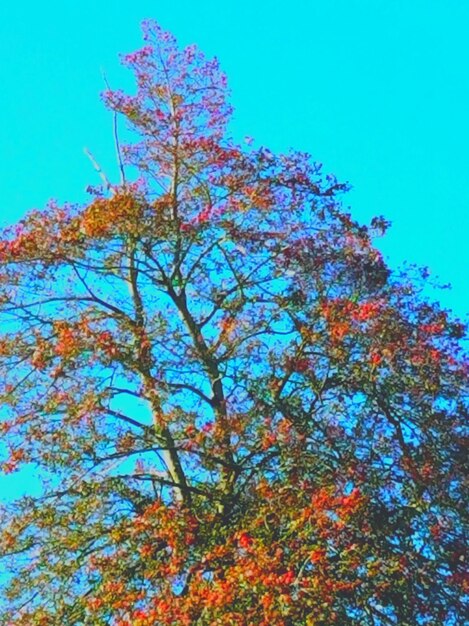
{"x":117,"y":146}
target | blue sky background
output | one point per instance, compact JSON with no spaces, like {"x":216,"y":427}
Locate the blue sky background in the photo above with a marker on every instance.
{"x":377,"y":90}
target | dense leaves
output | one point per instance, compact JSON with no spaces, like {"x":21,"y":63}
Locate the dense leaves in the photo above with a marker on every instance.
{"x":237,"y":413}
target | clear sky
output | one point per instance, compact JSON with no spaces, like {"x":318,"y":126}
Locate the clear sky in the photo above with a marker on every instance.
{"x":378,"y":90}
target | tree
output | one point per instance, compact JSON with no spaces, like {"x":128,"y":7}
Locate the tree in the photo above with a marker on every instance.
{"x":238,"y":413}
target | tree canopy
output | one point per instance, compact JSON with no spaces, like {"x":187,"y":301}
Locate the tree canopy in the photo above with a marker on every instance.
{"x":237,"y":412}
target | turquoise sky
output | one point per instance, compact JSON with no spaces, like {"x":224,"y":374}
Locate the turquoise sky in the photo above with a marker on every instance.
{"x":378,"y":90}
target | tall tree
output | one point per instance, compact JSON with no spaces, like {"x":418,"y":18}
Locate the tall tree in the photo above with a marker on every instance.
{"x":238,"y":414}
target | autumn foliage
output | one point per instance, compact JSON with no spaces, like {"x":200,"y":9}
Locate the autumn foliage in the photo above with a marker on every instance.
{"x":237,"y":413}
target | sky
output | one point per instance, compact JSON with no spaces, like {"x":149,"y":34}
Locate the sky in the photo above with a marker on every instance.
{"x":376,"y":90}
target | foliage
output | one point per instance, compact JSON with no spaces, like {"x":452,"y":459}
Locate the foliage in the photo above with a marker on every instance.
{"x":239,"y":415}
